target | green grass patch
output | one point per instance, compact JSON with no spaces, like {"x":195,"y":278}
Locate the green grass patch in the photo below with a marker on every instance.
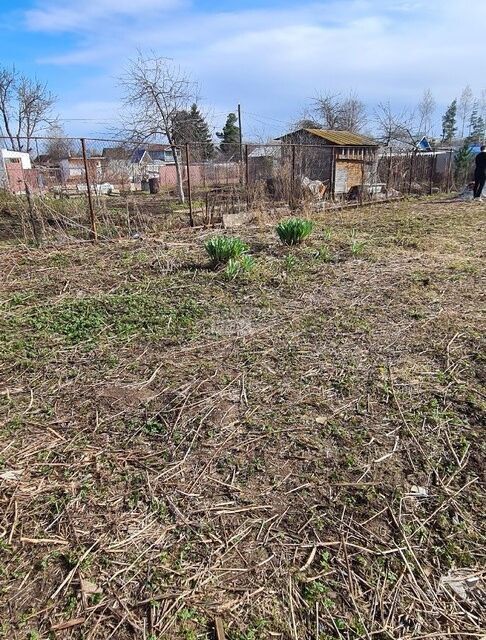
{"x":114,"y":315}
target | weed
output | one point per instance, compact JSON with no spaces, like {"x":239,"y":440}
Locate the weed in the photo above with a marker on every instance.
{"x":59,"y":260}
{"x":77,"y":558}
{"x":95,"y":598}
{"x":294,"y":230}
{"x":187,"y":614}
{"x":324,"y":560}
{"x":357,"y":246}
{"x":324,"y":254}
{"x":221,"y":249}
{"x":239,"y":266}
{"x":71,"y":606}
{"x":315,"y":592}
{"x":153,"y":426}
{"x":256,"y":631}
{"x":290,"y":262}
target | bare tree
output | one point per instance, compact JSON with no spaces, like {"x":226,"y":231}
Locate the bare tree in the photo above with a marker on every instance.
{"x":464,"y":108}
{"x":354,"y":115}
{"x":156,"y":91}
{"x":395,"y":128}
{"x":306,"y":123}
{"x":338,"y":113}
{"x":425,"y":110}
{"x":482,"y":104}
{"x":58,"y":145}
{"x":25,"y":105}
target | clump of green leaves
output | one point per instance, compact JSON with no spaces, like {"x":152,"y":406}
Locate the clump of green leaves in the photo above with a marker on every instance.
{"x":357,"y":246}
{"x":324,"y":254}
{"x":294,"y":230}
{"x":256,"y":631}
{"x":290,"y":262}
{"x":317,"y":592}
{"x":221,"y":249}
{"x":239,"y":266}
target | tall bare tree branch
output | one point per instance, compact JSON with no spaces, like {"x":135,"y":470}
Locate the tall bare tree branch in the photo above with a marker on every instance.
{"x":338,"y":113}
{"x":25,"y":105}
{"x":425,"y":110}
{"x":395,"y":128}
{"x":464,"y":107}
{"x":156,"y":91}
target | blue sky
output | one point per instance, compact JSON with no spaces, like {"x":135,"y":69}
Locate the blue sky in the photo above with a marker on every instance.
{"x":272,"y":56}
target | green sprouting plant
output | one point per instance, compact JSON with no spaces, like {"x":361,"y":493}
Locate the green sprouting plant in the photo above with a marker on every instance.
{"x":317,"y":592}
{"x":324,"y":254}
{"x":290,"y":262}
{"x":357,"y":246}
{"x":187,"y":614}
{"x":239,"y":266}
{"x":221,"y":249}
{"x":294,"y":230}
{"x":256,"y":631}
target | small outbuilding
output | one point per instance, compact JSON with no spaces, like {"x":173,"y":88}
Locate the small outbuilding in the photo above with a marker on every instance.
{"x":16,"y":171}
{"x":340,"y":159}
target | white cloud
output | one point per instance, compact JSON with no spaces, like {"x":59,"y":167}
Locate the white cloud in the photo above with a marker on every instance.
{"x":274,"y":59}
{"x":69,"y":15}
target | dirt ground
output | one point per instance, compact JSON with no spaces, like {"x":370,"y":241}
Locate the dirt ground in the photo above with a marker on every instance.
{"x":294,"y":453}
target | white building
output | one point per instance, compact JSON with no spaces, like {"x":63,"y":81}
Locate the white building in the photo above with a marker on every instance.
{"x":12,"y":166}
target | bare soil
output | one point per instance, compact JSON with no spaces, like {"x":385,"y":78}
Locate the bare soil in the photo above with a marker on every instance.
{"x":296,"y":453}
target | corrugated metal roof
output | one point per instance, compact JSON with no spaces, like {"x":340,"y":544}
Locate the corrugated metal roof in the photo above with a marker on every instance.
{"x":344,"y":138}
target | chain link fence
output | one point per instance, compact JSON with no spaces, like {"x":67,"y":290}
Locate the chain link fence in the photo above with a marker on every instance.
{"x":80,"y":189}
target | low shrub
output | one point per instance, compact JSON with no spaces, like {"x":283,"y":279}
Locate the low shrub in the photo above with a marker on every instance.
{"x":221,"y":249}
{"x":294,"y":230}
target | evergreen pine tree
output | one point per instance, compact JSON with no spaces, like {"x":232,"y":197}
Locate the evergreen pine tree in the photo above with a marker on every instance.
{"x":201,"y":134}
{"x":230,"y":136}
{"x":449,"y":128}
{"x":476,"y":126}
{"x":190,"y":126}
{"x":462,"y":164}
{"x":181,"y":127}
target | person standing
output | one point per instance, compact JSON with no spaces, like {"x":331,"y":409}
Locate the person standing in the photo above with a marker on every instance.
{"x":480,"y":173}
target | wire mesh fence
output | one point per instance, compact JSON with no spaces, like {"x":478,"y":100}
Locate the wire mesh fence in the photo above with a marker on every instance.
{"x":83,"y":189}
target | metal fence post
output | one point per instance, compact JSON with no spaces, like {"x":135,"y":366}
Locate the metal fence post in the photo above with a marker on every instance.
{"x":34,"y":222}
{"x":411,"y":167}
{"x":388,"y":174}
{"x":449,"y":172}
{"x":247,"y":177}
{"x":432,"y":173}
{"x":292,"y":177}
{"x":94,"y":232}
{"x":189,"y":190}
{"x":332,"y":186}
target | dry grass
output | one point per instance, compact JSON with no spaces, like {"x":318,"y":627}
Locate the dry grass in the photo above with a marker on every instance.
{"x":177,"y":448}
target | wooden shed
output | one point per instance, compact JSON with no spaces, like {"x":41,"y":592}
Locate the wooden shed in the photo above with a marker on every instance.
{"x":340,"y":159}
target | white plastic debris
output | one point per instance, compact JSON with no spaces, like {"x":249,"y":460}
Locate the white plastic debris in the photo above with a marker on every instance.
{"x":461,"y":581}
{"x":418,"y":492}
{"x":11,"y":476}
